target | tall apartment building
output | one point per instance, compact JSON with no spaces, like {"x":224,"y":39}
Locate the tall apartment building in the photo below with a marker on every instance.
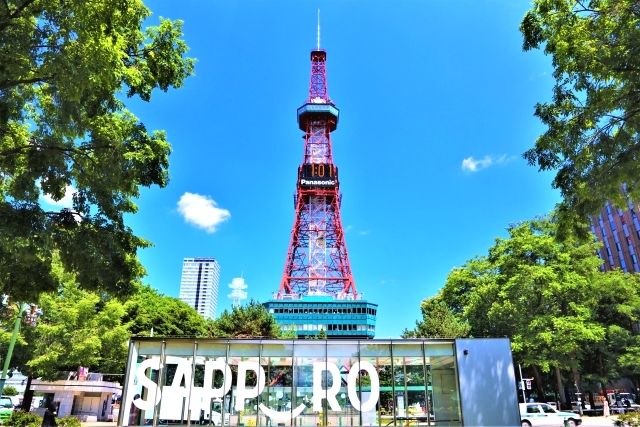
{"x":619,"y":232}
{"x":199,"y":285}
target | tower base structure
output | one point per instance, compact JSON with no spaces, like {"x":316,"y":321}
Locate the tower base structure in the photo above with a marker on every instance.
{"x":311,"y":314}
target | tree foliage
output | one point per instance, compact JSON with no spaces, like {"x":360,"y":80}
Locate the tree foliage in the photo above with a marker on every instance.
{"x":63,"y":129}
{"x":149,"y":310}
{"x":544,"y":290}
{"x":593,"y":120}
{"x":83,"y":328}
{"x":536,"y":289}
{"x":78,"y":328}
{"x":619,"y":312}
{"x":438,"y":321}
{"x":247,"y":321}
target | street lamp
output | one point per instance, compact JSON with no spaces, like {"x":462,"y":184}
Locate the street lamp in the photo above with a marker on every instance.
{"x":31,"y":318}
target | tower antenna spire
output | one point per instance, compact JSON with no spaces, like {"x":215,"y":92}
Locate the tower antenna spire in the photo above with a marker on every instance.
{"x":318,"y":28}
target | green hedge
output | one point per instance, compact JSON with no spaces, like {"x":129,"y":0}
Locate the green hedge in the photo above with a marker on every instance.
{"x":24,"y":419}
{"x":68,"y":421}
{"x":28,"y":419}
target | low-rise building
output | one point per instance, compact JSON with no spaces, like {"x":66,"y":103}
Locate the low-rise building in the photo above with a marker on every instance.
{"x":89,"y":397}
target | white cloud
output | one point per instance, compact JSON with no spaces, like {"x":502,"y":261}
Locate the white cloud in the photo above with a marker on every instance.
{"x":475,"y":165}
{"x":65,"y":202}
{"x":202,"y":211}
{"x":364,"y":232}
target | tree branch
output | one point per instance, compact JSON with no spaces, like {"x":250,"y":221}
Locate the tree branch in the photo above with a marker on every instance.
{"x":83,"y":150}
{"x":584,"y":8}
{"x":15,"y":13}
{"x":64,"y":211}
{"x":6,"y":84}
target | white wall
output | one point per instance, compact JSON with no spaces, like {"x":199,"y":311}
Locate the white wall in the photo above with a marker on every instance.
{"x":488,"y":394}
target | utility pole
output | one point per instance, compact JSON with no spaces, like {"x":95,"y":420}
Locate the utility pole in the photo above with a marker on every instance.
{"x":12,"y":343}
{"x":524,"y":395}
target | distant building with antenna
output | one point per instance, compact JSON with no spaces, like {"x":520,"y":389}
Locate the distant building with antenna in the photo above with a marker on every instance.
{"x":199,"y":285}
{"x":238,"y":292}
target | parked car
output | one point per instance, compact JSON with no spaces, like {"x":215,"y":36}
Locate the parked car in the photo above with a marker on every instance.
{"x":624,"y":405}
{"x":542,"y":414}
{"x":6,"y":408}
{"x":16,"y":400}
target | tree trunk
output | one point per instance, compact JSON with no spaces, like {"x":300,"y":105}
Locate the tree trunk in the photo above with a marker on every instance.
{"x":560,"y":385}
{"x":28,"y":396}
{"x":539,"y":388}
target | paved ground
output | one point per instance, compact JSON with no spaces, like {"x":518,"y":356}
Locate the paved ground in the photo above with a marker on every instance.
{"x":598,"y":421}
{"x":586,"y":421}
{"x":99,"y":424}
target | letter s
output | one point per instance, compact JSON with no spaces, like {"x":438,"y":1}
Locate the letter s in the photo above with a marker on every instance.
{"x":154,"y":391}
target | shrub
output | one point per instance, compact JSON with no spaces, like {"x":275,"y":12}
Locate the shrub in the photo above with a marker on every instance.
{"x":68,"y":421}
{"x":9,"y":391}
{"x":630,"y":419}
{"x":24,"y":419}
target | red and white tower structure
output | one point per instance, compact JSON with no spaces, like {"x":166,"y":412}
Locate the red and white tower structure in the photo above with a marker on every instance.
{"x":317,"y":269}
{"x":317,"y":260}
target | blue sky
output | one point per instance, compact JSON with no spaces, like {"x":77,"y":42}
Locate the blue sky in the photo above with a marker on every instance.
{"x":436,"y":106}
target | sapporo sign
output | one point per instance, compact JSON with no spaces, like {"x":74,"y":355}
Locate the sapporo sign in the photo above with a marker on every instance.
{"x":200,"y":397}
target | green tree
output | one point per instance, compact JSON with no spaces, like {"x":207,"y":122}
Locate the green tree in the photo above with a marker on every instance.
{"x":438,"y":321}
{"x":247,"y":321}
{"x":618,"y":310}
{"x":149,"y":310}
{"x":63,"y":129}
{"x":593,"y":120}
{"x":78,"y":328}
{"x":539,"y":290}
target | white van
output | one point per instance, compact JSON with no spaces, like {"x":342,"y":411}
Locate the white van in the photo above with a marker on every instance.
{"x":214,"y":414}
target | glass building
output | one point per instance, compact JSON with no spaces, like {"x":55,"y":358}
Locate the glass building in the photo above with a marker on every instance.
{"x":312,"y":314}
{"x":619,"y":232}
{"x":199,"y":285}
{"x":306,"y":383}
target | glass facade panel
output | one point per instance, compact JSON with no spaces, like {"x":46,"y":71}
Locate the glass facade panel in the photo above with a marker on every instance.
{"x":306,"y":356}
{"x":215,"y":403}
{"x":379,"y":356}
{"x":340,"y":359}
{"x":409,"y":376}
{"x":243,"y":360}
{"x":292,"y":383}
{"x":443,"y":389}
{"x":146,"y":364}
{"x":277,"y":396}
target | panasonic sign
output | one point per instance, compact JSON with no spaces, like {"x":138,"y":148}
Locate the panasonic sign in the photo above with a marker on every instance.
{"x":199,"y":398}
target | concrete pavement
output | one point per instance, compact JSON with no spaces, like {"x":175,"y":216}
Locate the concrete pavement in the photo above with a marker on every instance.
{"x":598,"y":421}
{"x":586,"y":421}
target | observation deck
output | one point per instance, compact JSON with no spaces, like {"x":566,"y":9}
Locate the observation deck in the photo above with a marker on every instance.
{"x":318,"y":110}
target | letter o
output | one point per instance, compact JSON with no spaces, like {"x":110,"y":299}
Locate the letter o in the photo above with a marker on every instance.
{"x":352,"y":379}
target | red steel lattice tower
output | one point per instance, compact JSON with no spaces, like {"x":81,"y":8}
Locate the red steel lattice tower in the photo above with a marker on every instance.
{"x":317,"y":260}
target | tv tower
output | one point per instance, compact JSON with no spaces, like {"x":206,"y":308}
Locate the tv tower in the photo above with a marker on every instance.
{"x":317,"y":291}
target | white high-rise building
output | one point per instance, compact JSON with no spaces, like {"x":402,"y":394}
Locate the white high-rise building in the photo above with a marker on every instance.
{"x":199,"y":285}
